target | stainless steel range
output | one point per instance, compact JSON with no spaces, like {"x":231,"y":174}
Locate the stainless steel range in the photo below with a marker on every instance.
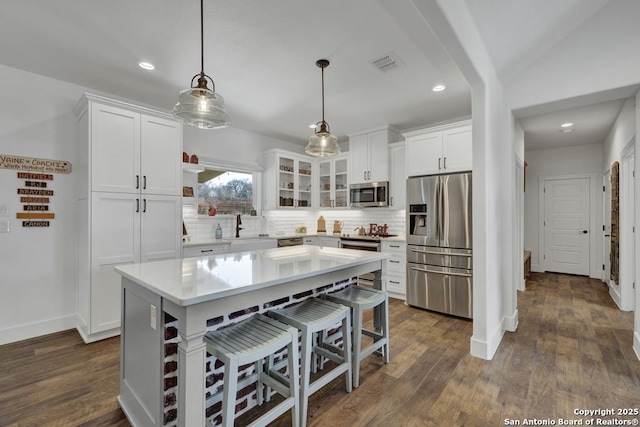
{"x":363,"y":243}
{"x":439,"y":244}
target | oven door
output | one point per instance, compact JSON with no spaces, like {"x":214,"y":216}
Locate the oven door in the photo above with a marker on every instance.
{"x":360,"y":245}
{"x":365,"y":279}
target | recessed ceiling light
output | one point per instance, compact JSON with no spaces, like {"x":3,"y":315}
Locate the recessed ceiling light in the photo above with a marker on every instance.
{"x":146,"y":65}
{"x":438,"y":88}
{"x":566,"y":125}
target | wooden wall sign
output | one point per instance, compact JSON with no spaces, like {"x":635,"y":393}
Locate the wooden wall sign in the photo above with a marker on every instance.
{"x":35,"y":208}
{"x":34,"y":164}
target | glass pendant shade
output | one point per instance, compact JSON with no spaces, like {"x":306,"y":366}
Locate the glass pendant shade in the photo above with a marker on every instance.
{"x":201,"y":108}
{"x":322,"y":143}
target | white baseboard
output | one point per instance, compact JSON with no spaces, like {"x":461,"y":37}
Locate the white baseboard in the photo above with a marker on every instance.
{"x":636,"y":343}
{"x":486,"y":350}
{"x":36,"y":329}
{"x":614,"y":291}
{"x":89,"y":338}
{"x":510,"y":323}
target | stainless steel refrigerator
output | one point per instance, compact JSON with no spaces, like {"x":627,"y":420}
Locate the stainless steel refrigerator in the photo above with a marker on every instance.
{"x":439,"y":244}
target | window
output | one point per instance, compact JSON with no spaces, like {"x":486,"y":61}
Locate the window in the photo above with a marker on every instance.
{"x":230,"y":192}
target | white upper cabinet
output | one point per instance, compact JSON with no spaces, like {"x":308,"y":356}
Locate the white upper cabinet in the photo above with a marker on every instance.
{"x":161,"y":149}
{"x":333,"y":178}
{"x":134,"y":152}
{"x":115,"y":149}
{"x":288,"y":180}
{"x":369,"y":155}
{"x":398,"y":183}
{"x":443,"y":149}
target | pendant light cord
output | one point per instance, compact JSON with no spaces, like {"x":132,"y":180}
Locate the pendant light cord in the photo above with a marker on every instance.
{"x":323,"y":94}
{"x":202,"y":37}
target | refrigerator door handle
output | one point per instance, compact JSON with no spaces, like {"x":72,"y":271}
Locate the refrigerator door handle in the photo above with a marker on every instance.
{"x":440,"y":253}
{"x":444,"y":273}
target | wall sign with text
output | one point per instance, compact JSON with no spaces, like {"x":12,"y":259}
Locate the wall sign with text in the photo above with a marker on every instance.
{"x":34,"y":164}
{"x":35,"y":206}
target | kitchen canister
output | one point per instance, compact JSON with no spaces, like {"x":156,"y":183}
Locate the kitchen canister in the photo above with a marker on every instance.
{"x":322,"y":226}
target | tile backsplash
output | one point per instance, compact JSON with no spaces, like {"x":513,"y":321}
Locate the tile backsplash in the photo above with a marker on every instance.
{"x":279,"y":222}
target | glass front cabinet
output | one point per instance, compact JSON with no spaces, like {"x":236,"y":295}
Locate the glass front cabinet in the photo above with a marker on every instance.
{"x":288,"y":180}
{"x":333,"y":188}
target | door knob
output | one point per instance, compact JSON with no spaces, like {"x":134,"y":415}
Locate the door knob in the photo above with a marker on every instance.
{"x":585,"y":231}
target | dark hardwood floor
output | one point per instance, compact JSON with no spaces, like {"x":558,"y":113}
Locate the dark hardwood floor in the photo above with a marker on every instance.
{"x":572,"y":349}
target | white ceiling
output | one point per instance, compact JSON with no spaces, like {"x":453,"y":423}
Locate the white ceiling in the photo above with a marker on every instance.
{"x":591,"y":124}
{"x":261,"y":55}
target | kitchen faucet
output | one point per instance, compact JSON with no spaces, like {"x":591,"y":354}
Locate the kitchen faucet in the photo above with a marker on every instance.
{"x":238,"y":224}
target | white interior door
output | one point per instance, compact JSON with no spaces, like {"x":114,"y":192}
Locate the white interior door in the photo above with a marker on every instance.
{"x":566,"y":224}
{"x":606,"y":229}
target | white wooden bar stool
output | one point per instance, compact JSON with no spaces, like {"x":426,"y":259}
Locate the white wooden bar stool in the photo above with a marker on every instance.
{"x":360,"y":299}
{"x":251,"y":341}
{"x":311,"y":317}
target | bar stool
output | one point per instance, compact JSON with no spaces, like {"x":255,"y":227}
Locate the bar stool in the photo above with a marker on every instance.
{"x":360,"y":299}
{"x":311,"y":317}
{"x":250,"y":341}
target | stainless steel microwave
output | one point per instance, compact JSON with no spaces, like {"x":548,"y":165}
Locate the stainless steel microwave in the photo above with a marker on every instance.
{"x":369,"y":194}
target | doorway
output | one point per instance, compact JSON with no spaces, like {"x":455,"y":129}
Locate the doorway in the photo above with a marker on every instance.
{"x":566,"y":224}
{"x":626,"y":300}
{"x":606,"y":228}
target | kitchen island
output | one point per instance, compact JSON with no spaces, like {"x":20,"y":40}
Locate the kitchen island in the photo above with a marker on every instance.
{"x":168,"y":306}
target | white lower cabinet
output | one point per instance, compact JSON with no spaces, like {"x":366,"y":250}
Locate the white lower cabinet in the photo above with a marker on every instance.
{"x":205,"y":250}
{"x":396,"y":276}
{"x":125,"y":229}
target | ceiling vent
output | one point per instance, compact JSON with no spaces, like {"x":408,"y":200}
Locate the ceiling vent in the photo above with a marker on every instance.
{"x":387,"y":63}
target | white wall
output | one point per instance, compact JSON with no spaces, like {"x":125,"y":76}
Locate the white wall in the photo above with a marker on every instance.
{"x":232,"y":145}
{"x":494,"y":298}
{"x":620,"y":134}
{"x":37,"y":264}
{"x":576,"y":160}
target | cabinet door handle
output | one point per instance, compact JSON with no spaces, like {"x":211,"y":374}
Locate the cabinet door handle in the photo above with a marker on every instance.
{"x":144,"y":182}
{"x":439,"y":163}
{"x":445,"y":162}
{"x":395,"y":262}
{"x":393,"y":281}
{"x":137,"y":182}
{"x":144,"y":205}
{"x":391,"y":200}
{"x":206,"y":250}
{"x":394,"y":246}
{"x":364,"y":175}
{"x":137,"y":205}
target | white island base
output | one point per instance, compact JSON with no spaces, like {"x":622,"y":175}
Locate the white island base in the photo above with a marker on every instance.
{"x":168,"y":306}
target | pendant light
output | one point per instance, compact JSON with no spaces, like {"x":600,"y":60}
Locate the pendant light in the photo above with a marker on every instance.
{"x":322,"y":143}
{"x":200,"y":106}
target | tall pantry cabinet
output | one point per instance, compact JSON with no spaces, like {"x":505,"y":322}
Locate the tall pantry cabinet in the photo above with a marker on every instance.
{"x":129,"y":202}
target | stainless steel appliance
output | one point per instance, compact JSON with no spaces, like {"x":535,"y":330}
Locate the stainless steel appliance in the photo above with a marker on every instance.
{"x":290,"y":241}
{"x":439,"y":244}
{"x":369,"y":195}
{"x":362,"y":243}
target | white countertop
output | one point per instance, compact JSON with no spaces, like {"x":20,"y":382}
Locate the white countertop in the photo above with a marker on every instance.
{"x":195,"y":280}
{"x":209,"y":242}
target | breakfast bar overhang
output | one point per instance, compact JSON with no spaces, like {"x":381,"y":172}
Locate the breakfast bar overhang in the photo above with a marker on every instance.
{"x":188,"y":294}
